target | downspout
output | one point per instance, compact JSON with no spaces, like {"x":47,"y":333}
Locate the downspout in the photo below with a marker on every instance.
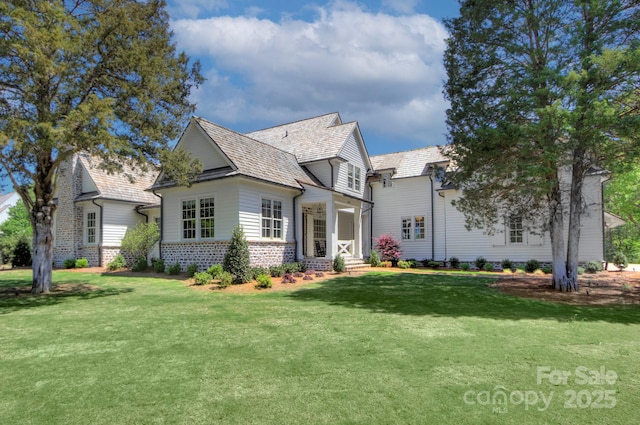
{"x":332,"y":179}
{"x":146,"y":217}
{"x":295,"y":229}
{"x":433,"y":236}
{"x":93,"y":201}
{"x":444,"y":215}
{"x":161,"y":223}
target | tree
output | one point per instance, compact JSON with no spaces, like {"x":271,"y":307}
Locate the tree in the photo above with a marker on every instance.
{"x":97,"y":76}
{"x":541,"y":93}
{"x":14,"y":229}
{"x":236,"y":260}
{"x":622,"y":194}
{"x":140,"y":239}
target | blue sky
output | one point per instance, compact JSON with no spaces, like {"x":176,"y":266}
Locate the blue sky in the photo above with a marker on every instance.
{"x":272,"y":62}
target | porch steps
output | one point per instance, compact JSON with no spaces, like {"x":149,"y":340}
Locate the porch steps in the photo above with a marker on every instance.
{"x":354,"y":264}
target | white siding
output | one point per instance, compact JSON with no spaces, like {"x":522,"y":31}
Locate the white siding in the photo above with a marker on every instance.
{"x":118,"y":217}
{"x":250,"y":209}
{"x":200,"y":146}
{"x":87,"y":182}
{"x":322,"y":170}
{"x":353,"y":154}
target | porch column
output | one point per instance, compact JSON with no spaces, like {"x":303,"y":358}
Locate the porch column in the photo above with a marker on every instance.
{"x":332,"y":229}
{"x":357,"y":232}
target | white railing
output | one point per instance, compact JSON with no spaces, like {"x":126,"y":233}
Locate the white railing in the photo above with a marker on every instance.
{"x":345,"y":248}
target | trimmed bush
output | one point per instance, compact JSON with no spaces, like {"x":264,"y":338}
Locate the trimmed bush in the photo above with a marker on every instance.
{"x":454,"y":262}
{"x":592,"y":267}
{"x":158,"y":266}
{"x":580,"y":270}
{"x":620,"y":260}
{"x":140,"y":265}
{"x":506,"y":264}
{"x":465,"y":266}
{"x":488,"y":267}
{"x":69,"y":263}
{"x":547,"y":269}
{"x":264,"y":281}
{"x":22,"y":254}
{"x":117,"y":263}
{"x":192,"y":269}
{"x":531,"y":265}
{"x":202,"y":278}
{"x":319,"y":274}
{"x":480,"y":262}
{"x":338,"y":264}
{"x":288,"y":278}
{"x":215,"y":270}
{"x":174,"y":269}
{"x":82,"y":263}
{"x":236,"y":259}
{"x":433,"y":264}
{"x":226,"y":279}
{"x":403,"y":264}
{"x":374,"y":258}
{"x":254,"y":272}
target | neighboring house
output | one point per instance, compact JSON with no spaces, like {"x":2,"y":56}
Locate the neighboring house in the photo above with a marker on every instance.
{"x":7,"y":201}
{"x":302,"y":191}
{"x":413,"y":204}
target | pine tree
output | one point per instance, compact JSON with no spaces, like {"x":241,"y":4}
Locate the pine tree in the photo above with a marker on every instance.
{"x":236,"y":259}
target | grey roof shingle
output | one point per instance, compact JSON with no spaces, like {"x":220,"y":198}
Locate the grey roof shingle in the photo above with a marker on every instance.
{"x":409,"y":163}
{"x":117,"y":186}
{"x":309,"y":140}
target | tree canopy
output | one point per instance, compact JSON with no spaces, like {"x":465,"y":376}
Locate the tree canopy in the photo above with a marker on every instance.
{"x":543,"y":93}
{"x":97,"y":76}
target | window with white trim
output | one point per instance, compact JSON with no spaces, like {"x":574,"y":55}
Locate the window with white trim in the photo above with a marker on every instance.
{"x":419,"y":227}
{"x":207,"y":220}
{"x":354,"y":177}
{"x":90,"y":227}
{"x":386,"y":180}
{"x":271,"y":219}
{"x":198,"y":219}
{"x":406,"y":228}
{"x":516,"y":230}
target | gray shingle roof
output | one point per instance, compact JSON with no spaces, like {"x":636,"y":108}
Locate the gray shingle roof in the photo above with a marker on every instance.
{"x":117,"y":186}
{"x":255,"y":159}
{"x":409,"y":163}
{"x":311,"y":139}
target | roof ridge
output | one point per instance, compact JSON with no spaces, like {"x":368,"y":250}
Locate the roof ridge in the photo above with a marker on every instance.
{"x":296,"y":122}
{"x":406,"y":151}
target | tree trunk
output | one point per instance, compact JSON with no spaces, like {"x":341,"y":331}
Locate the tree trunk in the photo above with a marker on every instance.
{"x":42,"y":248}
{"x":556,"y":232}
{"x":575,"y":213}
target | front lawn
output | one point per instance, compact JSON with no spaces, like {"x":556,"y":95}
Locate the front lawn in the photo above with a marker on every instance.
{"x":381,"y":348}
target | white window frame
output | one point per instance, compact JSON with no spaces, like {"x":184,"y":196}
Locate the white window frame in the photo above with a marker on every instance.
{"x":196,"y":218}
{"x":516,"y":230}
{"x":270,"y":224}
{"x":419,"y":233}
{"x":354,"y":177}
{"x":406,"y":228}
{"x":87,"y":238}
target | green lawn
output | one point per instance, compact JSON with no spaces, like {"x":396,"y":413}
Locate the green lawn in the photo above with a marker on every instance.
{"x":384,"y":348}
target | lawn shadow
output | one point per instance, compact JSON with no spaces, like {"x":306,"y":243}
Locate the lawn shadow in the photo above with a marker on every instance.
{"x":456,"y":296}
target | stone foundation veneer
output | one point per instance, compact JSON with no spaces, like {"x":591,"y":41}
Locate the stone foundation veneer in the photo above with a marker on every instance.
{"x":319,"y":264}
{"x":205,"y":254}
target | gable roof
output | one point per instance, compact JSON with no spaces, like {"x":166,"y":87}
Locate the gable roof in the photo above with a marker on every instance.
{"x":409,"y":163}
{"x":311,"y":139}
{"x":117,"y":186}
{"x":8,"y":200}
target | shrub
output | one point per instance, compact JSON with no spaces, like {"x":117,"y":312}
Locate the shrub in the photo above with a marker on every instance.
{"x":307,"y":277}
{"x":374,"y":258}
{"x":236,"y":259}
{"x":82,"y":263}
{"x":276,"y":271}
{"x":592,"y":267}
{"x":319,"y":274}
{"x":480,"y":262}
{"x":139,"y":240}
{"x":298,"y":274}
{"x":620,"y":260}
{"x":254,"y":272}
{"x":433,"y":264}
{"x":174,"y":269}
{"x":465,"y":266}
{"x":118,"y":262}
{"x":413,"y":263}
{"x":289,"y":267}
{"x":264,"y":281}
{"x":580,"y":270}
{"x":488,"y":267}
{"x":69,"y":263}
{"x":547,"y":269}
{"x":158,"y":266}
{"x":403,"y":264}
{"x":310,"y":272}
{"x":338,"y":264}
{"x":288,"y":278}
{"x":388,"y":247}
{"x":140,"y":265}
{"x":192,"y":269}
{"x":226,"y":279}
{"x":454,"y":262}
{"x":302,"y":267}
{"x":202,"y":278}
{"x":215,"y":270}
{"x":531,"y":265}
{"x":22,"y":254}
{"x":506,"y":264}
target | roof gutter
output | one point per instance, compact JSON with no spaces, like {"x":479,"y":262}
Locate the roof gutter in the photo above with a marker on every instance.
{"x":93,"y":201}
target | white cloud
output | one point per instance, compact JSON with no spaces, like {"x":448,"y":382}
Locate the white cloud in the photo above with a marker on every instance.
{"x":384,"y":71}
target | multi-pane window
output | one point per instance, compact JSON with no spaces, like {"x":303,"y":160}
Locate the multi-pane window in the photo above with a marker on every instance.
{"x":406,"y":228}
{"x":419,"y":227}
{"x":91,"y":227}
{"x":386,"y":180}
{"x":207,"y":221}
{"x":516,"y":231}
{"x":189,"y":219}
{"x":271,"y":219}
{"x":354,"y":177}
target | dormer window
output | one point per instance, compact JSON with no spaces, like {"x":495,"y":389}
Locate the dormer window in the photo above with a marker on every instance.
{"x":386,"y":180}
{"x":354,"y":177}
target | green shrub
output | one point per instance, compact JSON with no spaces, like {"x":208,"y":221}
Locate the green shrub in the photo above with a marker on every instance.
{"x":403,"y":264}
{"x":290,"y":267}
{"x":254,"y":272}
{"x":236,"y":259}
{"x":465,"y":266}
{"x":580,"y":270}
{"x":531,"y":265}
{"x":226,"y":279}
{"x":215,"y":270}
{"x":69,"y":263}
{"x":620,"y":260}
{"x":263,"y":281}
{"x":202,"y":278}
{"x":140,"y":265}
{"x":174,"y":269}
{"x":374,"y":258}
{"x":506,"y":264}
{"x":192,"y":269}
{"x":488,"y":267}
{"x":139,"y":240}
{"x":22,"y":254}
{"x":547,"y":269}
{"x":413,"y":263}
{"x":302,"y":267}
{"x":276,"y":271}
{"x":454,"y":262}
{"x":158,"y":266}
{"x":338,"y":264}
{"x":433,"y":264}
{"x":593,"y":267}
{"x":480,"y":262}
{"x":117,"y":263}
{"x":82,"y":263}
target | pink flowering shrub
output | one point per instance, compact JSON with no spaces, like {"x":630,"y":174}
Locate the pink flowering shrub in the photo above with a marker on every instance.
{"x":388,"y":247}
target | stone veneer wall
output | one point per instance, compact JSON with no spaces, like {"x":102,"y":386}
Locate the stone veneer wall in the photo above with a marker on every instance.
{"x":68,"y":217}
{"x":205,"y":254}
{"x":319,"y":264}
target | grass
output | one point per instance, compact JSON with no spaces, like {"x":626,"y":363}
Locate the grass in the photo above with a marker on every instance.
{"x":383,"y":348}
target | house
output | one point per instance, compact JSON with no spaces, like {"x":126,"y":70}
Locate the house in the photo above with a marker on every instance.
{"x":7,"y":201}
{"x":303,"y":191}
